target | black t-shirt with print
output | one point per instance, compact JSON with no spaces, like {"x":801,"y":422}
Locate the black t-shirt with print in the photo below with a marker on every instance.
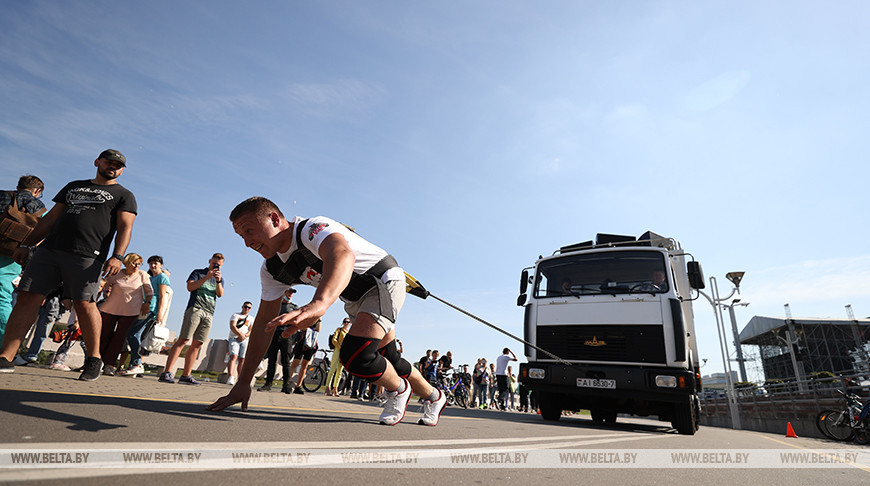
{"x":445,"y":363}
{"x":91,"y":217}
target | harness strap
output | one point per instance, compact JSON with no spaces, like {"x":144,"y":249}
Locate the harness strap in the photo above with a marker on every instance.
{"x":291,"y":271}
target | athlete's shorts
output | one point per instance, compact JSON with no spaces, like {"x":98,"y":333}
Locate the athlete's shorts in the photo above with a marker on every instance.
{"x":303,"y":353}
{"x":196,"y":325}
{"x":382,"y":302}
{"x":238,"y":348}
{"x":48,"y":269}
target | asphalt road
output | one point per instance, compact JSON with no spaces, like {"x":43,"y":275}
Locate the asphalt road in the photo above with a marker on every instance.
{"x":321,"y":440}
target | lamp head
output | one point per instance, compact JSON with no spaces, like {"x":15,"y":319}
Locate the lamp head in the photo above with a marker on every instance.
{"x":735,"y":278}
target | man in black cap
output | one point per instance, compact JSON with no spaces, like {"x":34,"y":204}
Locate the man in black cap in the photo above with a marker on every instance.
{"x":78,"y":232}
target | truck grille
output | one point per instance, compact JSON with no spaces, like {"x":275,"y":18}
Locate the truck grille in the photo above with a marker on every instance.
{"x":628,"y":343}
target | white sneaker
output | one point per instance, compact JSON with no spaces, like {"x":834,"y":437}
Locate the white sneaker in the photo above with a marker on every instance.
{"x":395,"y":406}
{"x":231,"y":380}
{"x":60,"y":367}
{"x":432,"y":410}
{"x":136,"y":370}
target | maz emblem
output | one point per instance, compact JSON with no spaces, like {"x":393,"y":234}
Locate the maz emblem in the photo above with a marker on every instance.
{"x":595,"y":342}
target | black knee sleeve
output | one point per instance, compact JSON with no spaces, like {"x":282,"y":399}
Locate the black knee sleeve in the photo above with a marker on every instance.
{"x":360,"y":356}
{"x":391,"y":353}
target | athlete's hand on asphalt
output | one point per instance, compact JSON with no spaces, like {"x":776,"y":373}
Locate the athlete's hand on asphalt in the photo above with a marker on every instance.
{"x":239,"y":393}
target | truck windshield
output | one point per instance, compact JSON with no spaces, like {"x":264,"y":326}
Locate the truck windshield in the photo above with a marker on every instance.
{"x":612,"y":272}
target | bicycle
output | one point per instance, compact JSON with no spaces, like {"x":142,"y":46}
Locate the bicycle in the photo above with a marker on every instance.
{"x":454,"y":389}
{"x":847,"y":423}
{"x":315,"y":374}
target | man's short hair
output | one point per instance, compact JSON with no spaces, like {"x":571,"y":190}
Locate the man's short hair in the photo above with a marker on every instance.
{"x":30,"y":182}
{"x":248,"y":302}
{"x":155,"y":258}
{"x":505,"y":351}
{"x":219,"y":256}
{"x":257,"y":205}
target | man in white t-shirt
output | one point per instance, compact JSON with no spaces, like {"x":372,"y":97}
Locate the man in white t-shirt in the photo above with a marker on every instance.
{"x":240,"y":330}
{"x":329,"y":256}
{"x":501,"y":377}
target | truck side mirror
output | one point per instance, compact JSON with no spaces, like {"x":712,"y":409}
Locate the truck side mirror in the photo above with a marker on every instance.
{"x":696,"y":275}
{"x":524,"y":286}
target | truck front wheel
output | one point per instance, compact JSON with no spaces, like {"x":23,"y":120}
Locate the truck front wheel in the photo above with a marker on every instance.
{"x":685,"y":420}
{"x":549,"y":406}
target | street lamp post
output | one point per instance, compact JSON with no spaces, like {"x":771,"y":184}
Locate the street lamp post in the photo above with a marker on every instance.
{"x":716,"y":302}
{"x":742,"y":362}
{"x":791,"y":341}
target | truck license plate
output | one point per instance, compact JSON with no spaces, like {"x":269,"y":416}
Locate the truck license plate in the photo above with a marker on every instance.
{"x":592,"y":383}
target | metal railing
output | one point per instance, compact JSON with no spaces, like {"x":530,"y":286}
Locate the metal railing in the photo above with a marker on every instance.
{"x":788,"y":400}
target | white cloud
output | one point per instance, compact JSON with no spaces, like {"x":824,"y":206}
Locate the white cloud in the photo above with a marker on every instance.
{"x":345,"y":92}
{"x":626,"y":113}
{"x":717,"y":91}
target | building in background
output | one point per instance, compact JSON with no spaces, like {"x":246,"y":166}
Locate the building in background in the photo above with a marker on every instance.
{"x":801,"y":347}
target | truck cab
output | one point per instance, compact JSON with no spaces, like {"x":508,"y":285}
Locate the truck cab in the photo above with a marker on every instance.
{"x":617,"y":312}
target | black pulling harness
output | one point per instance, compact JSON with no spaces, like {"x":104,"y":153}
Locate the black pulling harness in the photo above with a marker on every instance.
{"x":291,"y":271}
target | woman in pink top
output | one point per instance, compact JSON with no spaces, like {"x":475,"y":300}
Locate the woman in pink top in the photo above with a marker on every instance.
{"x":128,"y":295}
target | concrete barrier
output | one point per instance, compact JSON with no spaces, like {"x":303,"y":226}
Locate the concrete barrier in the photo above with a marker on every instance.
{"x":802,"y":427}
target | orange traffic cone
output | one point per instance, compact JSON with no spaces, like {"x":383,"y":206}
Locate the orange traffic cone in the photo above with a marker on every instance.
{"x":789,"y":431}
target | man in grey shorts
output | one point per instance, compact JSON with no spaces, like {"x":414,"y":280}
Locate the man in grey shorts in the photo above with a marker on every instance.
{"x":205,"y":286}
{"x":329,"y":256}
{"x":78,"y":233}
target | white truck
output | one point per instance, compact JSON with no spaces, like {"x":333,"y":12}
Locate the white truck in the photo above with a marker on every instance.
{"x":617,"y":312}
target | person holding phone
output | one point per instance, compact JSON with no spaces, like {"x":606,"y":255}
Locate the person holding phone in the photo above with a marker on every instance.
{"x":205,"y":285}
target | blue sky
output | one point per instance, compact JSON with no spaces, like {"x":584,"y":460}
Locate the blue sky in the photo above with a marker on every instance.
{"x":466,"y":139}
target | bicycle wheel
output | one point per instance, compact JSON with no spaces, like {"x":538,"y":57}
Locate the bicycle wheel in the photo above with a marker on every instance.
{"x":837,"y":425}
{"x":820,"y":422}
{"x":462,"y":398}
{"x":314,"y":379}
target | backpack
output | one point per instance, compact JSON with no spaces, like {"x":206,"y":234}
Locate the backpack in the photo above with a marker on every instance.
{"x":15,"y":225}
{"x":309,"y":340}
{"x":153,"y":339}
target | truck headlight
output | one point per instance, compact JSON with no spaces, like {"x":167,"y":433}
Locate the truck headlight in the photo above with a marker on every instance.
{"x":665,"y":381}
{"x":537,"y":373}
